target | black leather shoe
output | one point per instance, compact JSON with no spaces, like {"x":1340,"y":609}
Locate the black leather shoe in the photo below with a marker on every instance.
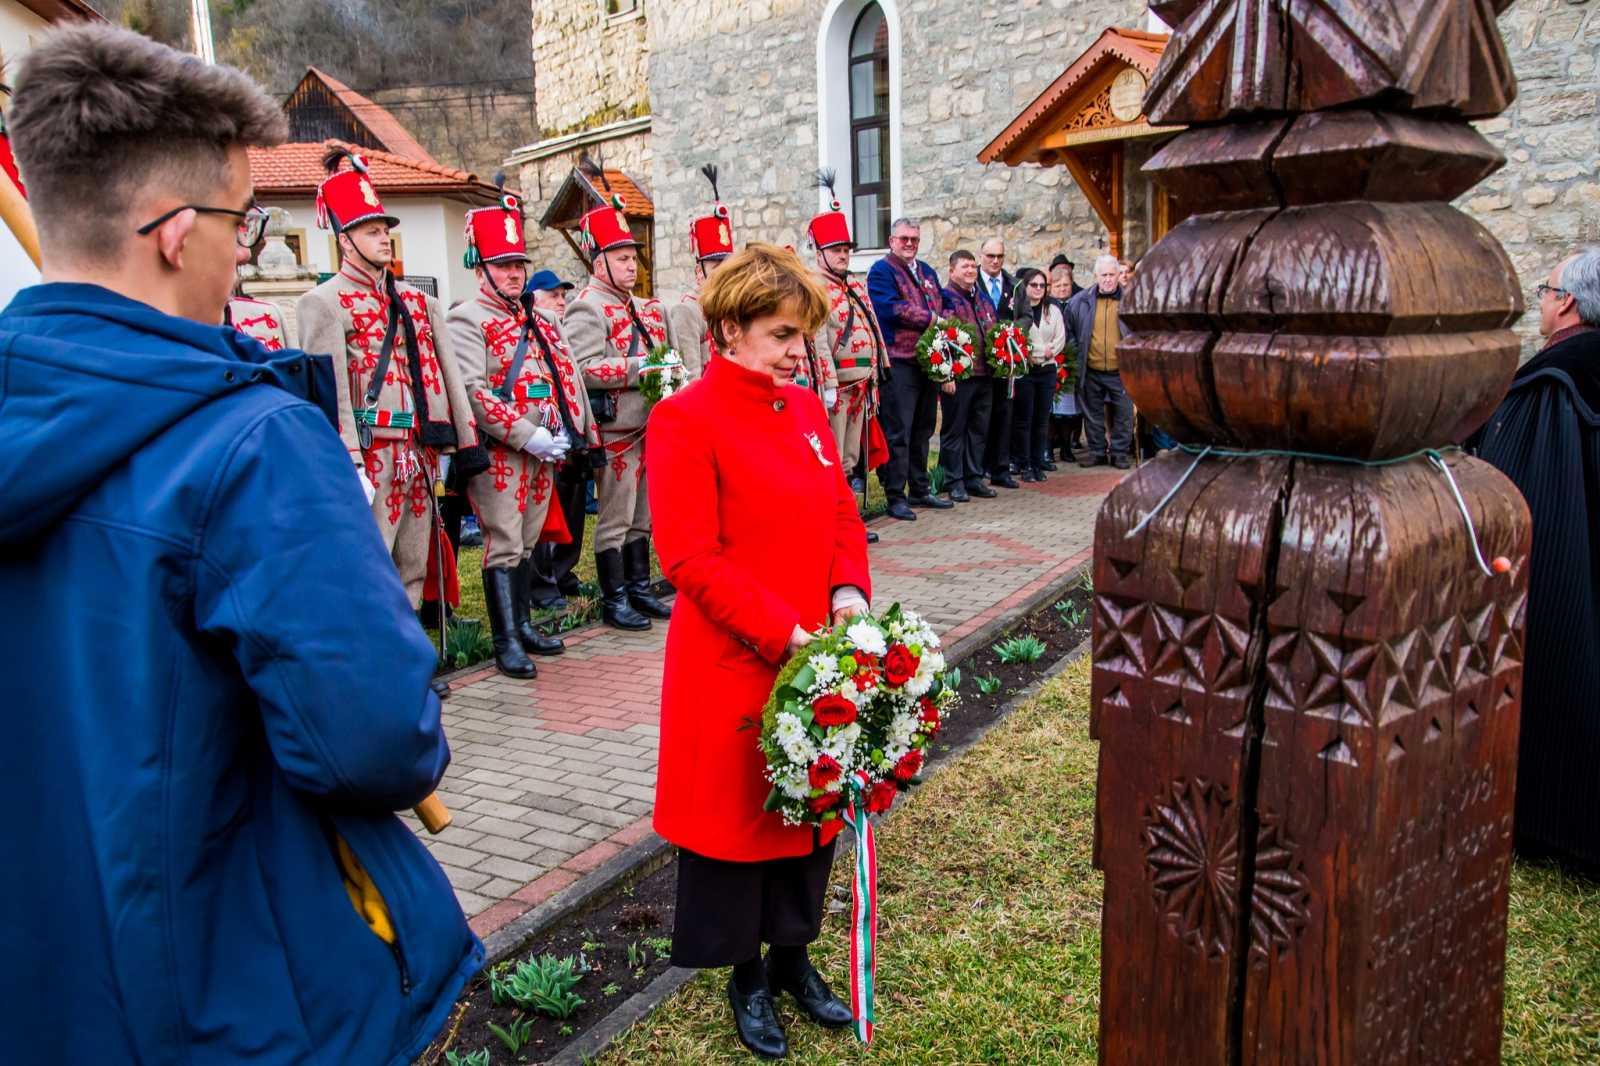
{"x":899,"y":508}
{"x":1121,"y":462}
{"x":441,"y":688}
{"x":636,"y":579}
{"x":959,"y":495}
{"x":532,"y":640}
{"x":872,"y":538}
{"x":1092,"y":460}
{"x":755,"y":1017}
{"x":814,"y":997}
{"x":615,"y":610}
{"x":978,"y":488}
{"x":1029,"y":475}
{"x":932,"y":501}
{"x":1047,"y":465}
{"x":554,"y":603}
{"x":1005,"y":481}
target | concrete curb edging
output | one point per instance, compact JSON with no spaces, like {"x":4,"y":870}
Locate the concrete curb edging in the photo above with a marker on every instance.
{"x":642,"y":1004}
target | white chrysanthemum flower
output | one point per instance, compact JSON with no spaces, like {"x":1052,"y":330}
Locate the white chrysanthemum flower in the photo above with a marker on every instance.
{"x":826,"y":669}
{"x":795,"y":788}
{"x":902,"y":729}
{"x":919,"y":684}
{"x":932,"y":661}
{"x":868,"y":637}
{"x":895,"y":752}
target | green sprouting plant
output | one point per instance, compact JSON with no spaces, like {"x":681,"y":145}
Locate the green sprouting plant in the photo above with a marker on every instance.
{"x":611,"y":989}
{"x":499,"y":982}
{"x":589,"y":946}
{"x":471,"y":1058}
{"x":545,"y":985}
{"x":1027,"y":649}
{"x":1086,"y":582}
{"x":661,"y":945}
{"x":988,"y":685}
{"x":466,"y":643}
{"x":1071,"y":614}
{"x":514,"y":1035}
{"x":638,"y":957}
{"x":565,"y":1030}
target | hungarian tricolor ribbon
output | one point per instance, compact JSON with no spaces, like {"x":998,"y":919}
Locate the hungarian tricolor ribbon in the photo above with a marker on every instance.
{"x":864,"y":909}
{"x":1011,"y":376}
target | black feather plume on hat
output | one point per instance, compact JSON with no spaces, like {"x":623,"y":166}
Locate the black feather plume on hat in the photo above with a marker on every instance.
{"x":333,"y":157}
{"x":710,"y":171}
{"x":825,"y":178}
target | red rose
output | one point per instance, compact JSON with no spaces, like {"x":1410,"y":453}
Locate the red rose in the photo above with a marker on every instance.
{"x":825,"y":771}
{"x":909,"y":764}
{"x":899,"y":664}
{"x":833,"y":709}
{"x":881,"y":796}
{"x":822,"y":803}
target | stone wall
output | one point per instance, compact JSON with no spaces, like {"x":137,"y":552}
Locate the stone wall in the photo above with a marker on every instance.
{"x":1546,"y":200}
{"x":588,"y":67}
{"x":967,"y":70}
{"x":540,"y":179}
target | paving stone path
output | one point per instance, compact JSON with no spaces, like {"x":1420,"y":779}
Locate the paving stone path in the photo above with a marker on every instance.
{"x":551,"y":777}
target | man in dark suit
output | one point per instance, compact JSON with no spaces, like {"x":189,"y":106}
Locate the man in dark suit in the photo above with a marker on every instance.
{"x":993,"y":277}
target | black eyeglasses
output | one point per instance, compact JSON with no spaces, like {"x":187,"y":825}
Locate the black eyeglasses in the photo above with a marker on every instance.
{"x":252,"y":222}
{"x":1543,"y":289}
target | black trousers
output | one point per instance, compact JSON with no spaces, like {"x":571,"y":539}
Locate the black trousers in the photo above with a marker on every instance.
{"x":1032,"y":423}
{"x":727,"y":910}
{"x":965,"y":431}
{"x":909,"y":410}
{"x":1002,"y":412}
{"x":553,"y":563}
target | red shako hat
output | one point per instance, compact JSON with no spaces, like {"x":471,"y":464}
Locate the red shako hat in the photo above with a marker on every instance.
{"x":831,"y":227}
{"x":711,"y":237}
{"x":494,"y":234}
{"x":346,"y":197}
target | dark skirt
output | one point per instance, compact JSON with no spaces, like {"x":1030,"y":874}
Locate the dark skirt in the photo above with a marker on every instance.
{"x":727,"y":910}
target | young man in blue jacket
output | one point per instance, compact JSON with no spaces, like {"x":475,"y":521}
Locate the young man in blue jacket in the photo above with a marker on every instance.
{"x":215,"y":691}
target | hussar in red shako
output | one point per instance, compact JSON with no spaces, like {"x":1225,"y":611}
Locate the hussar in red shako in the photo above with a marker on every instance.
{"x":257,"y":319}
{"x":618,"y":340}
{"x":401,"y":400}
{"x":850,"y":340}
{"x":533,"y":415}
{"x":711,"y":241}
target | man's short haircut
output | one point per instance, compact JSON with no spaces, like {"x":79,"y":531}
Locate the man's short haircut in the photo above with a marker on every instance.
{"x":1101,"y":261}
{"x":992,"y":240}
{"x":961,"y":255}
{"x":102,"y":116}
{"x":1581,"y":279}
{"x":904,"y":223}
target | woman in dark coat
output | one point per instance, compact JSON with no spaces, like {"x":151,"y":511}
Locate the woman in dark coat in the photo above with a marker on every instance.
{"x":757,"y":529}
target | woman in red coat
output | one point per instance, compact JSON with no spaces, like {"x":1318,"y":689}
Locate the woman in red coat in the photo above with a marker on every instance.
{"x":757,"y":529}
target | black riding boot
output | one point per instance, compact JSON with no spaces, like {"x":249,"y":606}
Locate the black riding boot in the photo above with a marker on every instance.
{"x":532,"y":640}
{"x":636,"y":576}
{"x":614,"y":607}
{"x":498,"y":596}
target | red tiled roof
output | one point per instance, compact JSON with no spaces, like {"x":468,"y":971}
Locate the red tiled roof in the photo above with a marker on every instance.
{"x":581,"y":192}
{"x":635,"y":204}
{"x":297,"y":170}
{"x":384,"y":126}
{"x":1136,"y":48}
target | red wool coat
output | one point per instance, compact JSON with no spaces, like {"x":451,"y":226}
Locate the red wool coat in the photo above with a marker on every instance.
{"x":755,"y":527}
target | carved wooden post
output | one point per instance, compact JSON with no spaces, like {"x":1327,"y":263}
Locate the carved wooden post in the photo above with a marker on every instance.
{"x":1305,"y":688}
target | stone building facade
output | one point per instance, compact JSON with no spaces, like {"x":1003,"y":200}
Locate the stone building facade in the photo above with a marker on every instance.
{"x":757,"y":86}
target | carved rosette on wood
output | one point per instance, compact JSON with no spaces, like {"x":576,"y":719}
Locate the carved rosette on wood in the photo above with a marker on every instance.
{"x":1305,"y":689}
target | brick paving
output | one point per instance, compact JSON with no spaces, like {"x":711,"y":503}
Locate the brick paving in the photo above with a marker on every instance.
{"x":551,"y":777}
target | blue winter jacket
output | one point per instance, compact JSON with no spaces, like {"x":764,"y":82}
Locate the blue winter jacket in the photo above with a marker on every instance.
{"x":210,"y":672}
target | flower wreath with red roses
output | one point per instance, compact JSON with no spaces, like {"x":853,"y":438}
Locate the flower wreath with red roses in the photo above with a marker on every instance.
{"x":947,"y":350}
{"x":865,"y":697}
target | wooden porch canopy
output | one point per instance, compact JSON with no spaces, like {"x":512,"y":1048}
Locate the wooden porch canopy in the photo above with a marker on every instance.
{"x":582,"y":191}
{"x":1083,"y":118}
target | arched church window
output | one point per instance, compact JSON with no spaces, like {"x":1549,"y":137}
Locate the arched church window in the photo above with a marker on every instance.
{"x":869,"y":127}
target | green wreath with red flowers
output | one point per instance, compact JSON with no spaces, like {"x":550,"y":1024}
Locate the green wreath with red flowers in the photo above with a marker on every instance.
{"x":947,"y":350}
{"x":1067,"y":369}
{"x":1008,"y":350}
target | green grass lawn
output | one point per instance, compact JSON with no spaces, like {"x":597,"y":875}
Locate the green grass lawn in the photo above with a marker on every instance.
{"x":990,"y":941}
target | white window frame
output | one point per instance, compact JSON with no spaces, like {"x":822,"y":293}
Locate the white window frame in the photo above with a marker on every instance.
{"x":833,"y":110}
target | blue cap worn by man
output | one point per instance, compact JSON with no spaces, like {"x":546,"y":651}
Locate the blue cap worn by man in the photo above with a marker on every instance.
{"x":215,"y":692}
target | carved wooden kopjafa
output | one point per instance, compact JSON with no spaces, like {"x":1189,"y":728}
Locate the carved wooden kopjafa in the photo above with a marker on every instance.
{"x":1305,"y":687}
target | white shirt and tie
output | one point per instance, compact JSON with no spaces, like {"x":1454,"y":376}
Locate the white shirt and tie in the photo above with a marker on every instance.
{"x":994,"y":286}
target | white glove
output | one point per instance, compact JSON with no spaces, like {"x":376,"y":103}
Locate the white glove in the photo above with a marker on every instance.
{"x":830,"y":397}
{"x":366,"y":485}
{"x":550,"y":448}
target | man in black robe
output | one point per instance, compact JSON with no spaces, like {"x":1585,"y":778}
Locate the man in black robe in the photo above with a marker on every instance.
{"x":1545,"y":436}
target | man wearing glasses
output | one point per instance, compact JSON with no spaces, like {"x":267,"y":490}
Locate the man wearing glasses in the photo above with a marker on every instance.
{"x":1545,"y":437}
{"x":907,"y":297}
{"x":215,"y":691}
